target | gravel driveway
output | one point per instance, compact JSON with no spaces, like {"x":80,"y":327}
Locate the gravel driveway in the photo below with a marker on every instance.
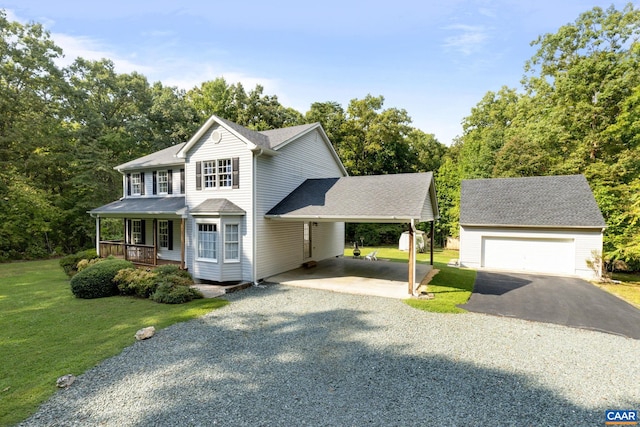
{"x":281,"y":356}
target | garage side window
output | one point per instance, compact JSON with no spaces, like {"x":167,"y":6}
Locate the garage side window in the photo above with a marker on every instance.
{"x":207,"y":241}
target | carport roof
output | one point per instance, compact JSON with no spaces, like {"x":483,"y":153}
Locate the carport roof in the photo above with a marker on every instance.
{"x":375,"y":198}
{"x":542,"y":201}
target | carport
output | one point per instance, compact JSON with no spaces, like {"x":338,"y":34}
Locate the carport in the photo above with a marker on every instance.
{"x":399,"y":198}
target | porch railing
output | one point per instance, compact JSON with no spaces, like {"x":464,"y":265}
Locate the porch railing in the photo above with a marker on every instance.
{"x":138,"y":254}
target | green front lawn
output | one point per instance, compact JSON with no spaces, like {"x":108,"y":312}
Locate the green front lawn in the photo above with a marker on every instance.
{"x":628,"y":289}
{"x":451,"y":286}
{"x":46,"y":332}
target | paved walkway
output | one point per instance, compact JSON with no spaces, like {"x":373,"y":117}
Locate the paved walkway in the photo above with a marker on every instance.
{"x":355,"y":276}
{"x":561,"y":300}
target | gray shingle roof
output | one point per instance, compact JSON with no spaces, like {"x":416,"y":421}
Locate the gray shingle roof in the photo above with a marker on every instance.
{"x":142,"y":205}
{"x":544,"y":201}
{"x":164,"y":157}
{"x":217,"y":207}
{"x":278,"y":136}
{"x":376,"y":198}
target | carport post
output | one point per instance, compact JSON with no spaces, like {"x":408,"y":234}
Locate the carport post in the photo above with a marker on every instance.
{"x":412,"y":258}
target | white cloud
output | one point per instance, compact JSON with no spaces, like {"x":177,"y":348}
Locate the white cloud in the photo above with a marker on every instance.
{"x":469,"y":38}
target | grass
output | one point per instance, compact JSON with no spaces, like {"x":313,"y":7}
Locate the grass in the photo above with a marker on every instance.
{"x":47,"y":332}
{"x":451,"y":286}
{"x":628,"y":289}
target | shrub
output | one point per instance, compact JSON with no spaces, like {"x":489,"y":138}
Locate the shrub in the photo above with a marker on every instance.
{"x":96,"y":281}
{"x":171,"y":269}
{"x":175,"y":289}
{"x":84,"y":263}
{"x":69,"y":263}
{"x":134,"y":281}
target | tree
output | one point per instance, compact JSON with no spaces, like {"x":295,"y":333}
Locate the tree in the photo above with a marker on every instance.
{"x":331,"y":116}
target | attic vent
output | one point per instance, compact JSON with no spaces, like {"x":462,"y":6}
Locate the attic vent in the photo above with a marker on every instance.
{"x":216,"y":136}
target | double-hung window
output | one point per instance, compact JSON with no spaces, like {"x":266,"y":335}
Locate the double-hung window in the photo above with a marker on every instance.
{"x":224,"y":173}
{"x":136,"y":184}
{"x":231,"y":242}
{"x":207,"y":241}
{"x":136,"y":231}
{"x":163,"y":182}
{"x":209,"y":173}
{"x":163,"y":234}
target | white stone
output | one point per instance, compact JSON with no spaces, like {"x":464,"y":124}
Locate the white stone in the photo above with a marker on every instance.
{"x":65,"y":381}
{"x":145,"y":333}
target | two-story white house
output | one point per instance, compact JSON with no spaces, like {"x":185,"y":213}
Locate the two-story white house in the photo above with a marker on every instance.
{"x":224,"y":204}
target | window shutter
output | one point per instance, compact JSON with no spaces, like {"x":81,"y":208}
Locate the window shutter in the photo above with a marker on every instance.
{"x":155,"y":182}
{"x":143,"y":230}
{"x":235,"y":165}
{"x":128,"y":236}
{"x":128,"y":184}
{"x":170,"y":230}
{"x":142,"y":183}
{"x":181,"y":181}
{"x":198,"y":175}
{"x":170,"y":181}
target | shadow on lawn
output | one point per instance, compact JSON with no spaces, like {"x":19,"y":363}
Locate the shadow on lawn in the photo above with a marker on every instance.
{"x":298,"y":368}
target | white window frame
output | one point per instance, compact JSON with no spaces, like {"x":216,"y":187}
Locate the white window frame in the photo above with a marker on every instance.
{"x":163,"y":234}
{"x":163,"y":181}
{"x":136,"y":184}
{"x":216,"y":240}
{"x":136,"y":232}
{"x":225,"y":173}
{"x":235,"y":243}
{"x":209,"y":176}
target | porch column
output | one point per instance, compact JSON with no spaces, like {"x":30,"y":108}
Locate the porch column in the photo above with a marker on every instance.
{"x":182,"y":243}
{"x":98,"y":235}
{"x":155,"y":241}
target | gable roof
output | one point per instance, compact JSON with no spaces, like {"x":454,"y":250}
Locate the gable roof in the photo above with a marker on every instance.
{"x":166,"y":157}
{"x":266,"y":142}
{"x":543,"y":201}
{"x":375,"y":198}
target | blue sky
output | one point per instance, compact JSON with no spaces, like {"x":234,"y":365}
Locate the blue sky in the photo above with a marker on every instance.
{"x":435,"y":59}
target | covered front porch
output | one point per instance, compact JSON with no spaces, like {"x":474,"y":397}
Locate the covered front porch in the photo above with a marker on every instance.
{"x":153,"y":230}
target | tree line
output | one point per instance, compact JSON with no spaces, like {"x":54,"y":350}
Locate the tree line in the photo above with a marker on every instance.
{"x":63,"y":129}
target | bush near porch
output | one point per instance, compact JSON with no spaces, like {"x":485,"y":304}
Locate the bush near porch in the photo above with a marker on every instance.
{"x":47,"y":332}
{"x":451,"y":286}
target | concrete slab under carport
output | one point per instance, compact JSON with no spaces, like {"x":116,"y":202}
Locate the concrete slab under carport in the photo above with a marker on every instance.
{"x":354,"y":276}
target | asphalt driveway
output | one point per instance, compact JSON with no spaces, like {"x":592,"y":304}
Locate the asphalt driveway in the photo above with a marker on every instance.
{"x":561,"y":300}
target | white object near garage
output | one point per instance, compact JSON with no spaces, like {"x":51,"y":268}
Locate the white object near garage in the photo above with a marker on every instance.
{"x":539,"y":224}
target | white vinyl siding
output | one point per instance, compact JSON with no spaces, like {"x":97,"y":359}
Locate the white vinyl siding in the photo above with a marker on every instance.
{"x":552,"y":251}
{"x":280,"y":244}
{"x":228,"y":147}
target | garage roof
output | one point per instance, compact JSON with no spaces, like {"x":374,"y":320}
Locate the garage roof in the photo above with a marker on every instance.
{"x":374,"y":198}
{"x":543,"y":201}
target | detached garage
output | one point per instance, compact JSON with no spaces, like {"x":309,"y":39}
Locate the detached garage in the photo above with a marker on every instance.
{"x":548,"y":224}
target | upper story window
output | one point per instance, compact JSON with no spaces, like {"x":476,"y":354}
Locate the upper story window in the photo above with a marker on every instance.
{"x":220,"y":173}
{"x":163,"y":182}
{"x":135,"y":184}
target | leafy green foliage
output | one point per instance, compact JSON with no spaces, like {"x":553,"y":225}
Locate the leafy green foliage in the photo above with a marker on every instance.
{"x":171,"y":269}
{"x":97,"y":281}
{"x":69,"y":263}
{"x":175,"y":289}
{"x":136,"y":281}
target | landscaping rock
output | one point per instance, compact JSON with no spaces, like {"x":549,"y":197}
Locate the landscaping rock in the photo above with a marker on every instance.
{"x":65,"y":381}
{"x":145,"y":333}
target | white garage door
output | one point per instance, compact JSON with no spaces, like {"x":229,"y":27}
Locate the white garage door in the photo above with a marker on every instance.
{"x":535,"y":255}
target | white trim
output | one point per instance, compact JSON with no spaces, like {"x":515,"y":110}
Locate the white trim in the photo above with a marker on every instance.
{"x":224,"y":243}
